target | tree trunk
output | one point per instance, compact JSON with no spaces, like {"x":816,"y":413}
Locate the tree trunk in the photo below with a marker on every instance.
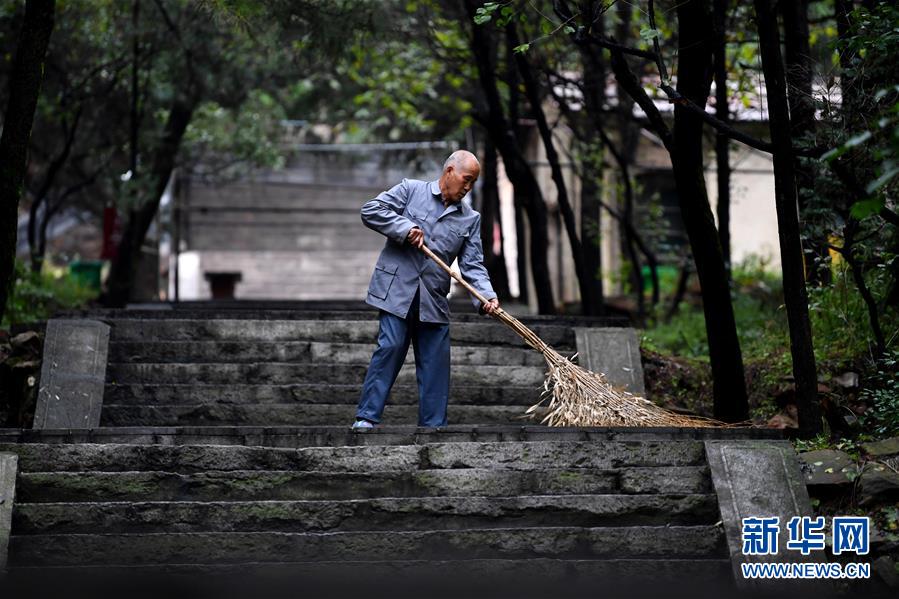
{"x":495,"y":263}
{"x":795,"y":295}
{"x":722,"y":142}
{"x":797,"y":54}
{"x":535,"y":99}
{"x":591,"y":240}
{"x":858,"y":275}
{"x":681,"y":290}
{"x":527,"y":192}
{"x":122,"y":271}
{"x":591,"y":243}
{"x":24,"y":89}
{"x":696,"y":43}
{"x":37,"y":242}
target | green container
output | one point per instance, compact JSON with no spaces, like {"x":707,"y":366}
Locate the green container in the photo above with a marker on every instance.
{"x":87,"y":272}
{"x":667,"y":277}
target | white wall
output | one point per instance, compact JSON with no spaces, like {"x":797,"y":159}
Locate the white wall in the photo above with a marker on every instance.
{"x":753,"y":216}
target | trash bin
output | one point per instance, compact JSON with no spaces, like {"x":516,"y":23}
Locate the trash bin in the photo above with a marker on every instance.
{"x":87,"y":272}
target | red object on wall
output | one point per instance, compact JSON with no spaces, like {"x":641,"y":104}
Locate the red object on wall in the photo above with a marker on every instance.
{"x":112,"y":233}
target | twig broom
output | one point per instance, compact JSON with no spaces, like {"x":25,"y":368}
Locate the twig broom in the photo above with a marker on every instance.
{"x":577,"y":396}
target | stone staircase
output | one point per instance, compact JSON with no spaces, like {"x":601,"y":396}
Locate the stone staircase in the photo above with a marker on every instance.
{"x":224,"y":456}
{"x":579,"y":507}
{"x":281,"y":368}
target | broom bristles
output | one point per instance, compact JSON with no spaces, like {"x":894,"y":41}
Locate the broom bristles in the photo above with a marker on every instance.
{"x":575,"y":396}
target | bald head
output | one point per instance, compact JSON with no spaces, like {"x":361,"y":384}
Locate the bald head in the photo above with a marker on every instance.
{"x":460,"y":171}
{"x":460,"y":158}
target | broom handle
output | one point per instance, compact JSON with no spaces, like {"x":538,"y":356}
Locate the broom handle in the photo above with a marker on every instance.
{"x":449,"y":270}
{"x":525,"y":333}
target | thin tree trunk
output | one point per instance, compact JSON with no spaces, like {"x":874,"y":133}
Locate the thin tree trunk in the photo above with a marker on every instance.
{"x":122,"y":272}
{"x":594,"y":93}
{"x":848,"y":83}
{"x":552,"y":156}
{"x":797,"y":54}
{"x":681,"y":289}
{"x":37,"y":246}
{"x":527,"y":192}
{"x":511,"y":72}
{"x":591,"y":238}
{"x":696,"y":43}
{"x":495,"y":263}
{"x":722,"y":142}
{"x":858,"y":275}
{"x":25,"y":86}
{"x":135,"y":88}
{"x":594,"y":69}
{"x":629,"y":137}
{"x":795,"y":295}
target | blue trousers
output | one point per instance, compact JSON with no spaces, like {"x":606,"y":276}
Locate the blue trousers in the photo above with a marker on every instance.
{"x":431,"y":343}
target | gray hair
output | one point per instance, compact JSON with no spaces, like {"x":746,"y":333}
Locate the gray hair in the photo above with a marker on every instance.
{"x":457,"y":157}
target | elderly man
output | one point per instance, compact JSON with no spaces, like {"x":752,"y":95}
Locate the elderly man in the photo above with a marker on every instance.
{"x":410,"y":289}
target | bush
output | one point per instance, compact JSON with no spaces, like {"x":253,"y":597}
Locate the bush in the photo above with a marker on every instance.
{"x":761,"y":321}
{"x":36,"y":296}
{"x":881,"y":393}
{"x":841,"y":327}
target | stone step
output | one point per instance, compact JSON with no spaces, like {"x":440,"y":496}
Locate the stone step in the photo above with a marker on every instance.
{"x":301,"y":236}
{"x":316,"y":310}
{"x":389,"y":434}
{"x":363,"y":329}
{"x":285,"y":373}
{"x":530,"y":455}
{"x":260,"y":485}
{"x":399,"y":579}
{"x":347,"y":220}
{"x":201,"y":351}
{"x":413,"y":513}
{"x":304,"y":414}
{"x":644,"y":542}
{"x":305,"y":393}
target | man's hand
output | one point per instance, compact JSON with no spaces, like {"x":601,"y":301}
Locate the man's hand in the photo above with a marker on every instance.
{"x":416,"y":237}
{"x":490,"y":307}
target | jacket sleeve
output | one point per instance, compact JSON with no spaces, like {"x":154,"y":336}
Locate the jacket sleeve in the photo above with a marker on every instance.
{"x":471,"y":264}
{"x":384,"y":213}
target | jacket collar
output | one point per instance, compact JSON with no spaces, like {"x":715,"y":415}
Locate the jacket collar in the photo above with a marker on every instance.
{"x":434,"y":186}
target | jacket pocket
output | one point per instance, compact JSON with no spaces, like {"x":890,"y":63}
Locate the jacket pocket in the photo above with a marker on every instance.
{"x":460,"y":232}
{"x":417,"y":214}
{"x":381,"y":280}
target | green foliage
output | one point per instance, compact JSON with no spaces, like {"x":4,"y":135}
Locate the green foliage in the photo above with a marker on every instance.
{"x":761,"y":321}
{"x":36,"y":296}
{"x":226,"y":141}
{"x":841,"y":329}
{"x":871,"y":73}
{"x":408,"y":81}
{"x":824,"y":441}
{"x":881,"y":392}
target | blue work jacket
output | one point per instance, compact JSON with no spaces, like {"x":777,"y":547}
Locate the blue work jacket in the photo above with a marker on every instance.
{"x":451,"y":232}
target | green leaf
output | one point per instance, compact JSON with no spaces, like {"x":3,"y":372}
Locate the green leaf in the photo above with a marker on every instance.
{"x":568,"y":29}
{"x":647,"y":34}
{"x":883,"y":179}
{"x":521,"y":49}
{"x":865,"y":208}
{"x":847,"y":145}
{"x":485,"y":13}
